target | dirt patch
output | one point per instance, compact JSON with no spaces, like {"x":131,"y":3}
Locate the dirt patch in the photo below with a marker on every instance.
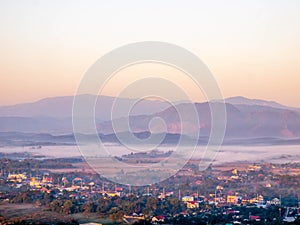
{"x":31,"y":213}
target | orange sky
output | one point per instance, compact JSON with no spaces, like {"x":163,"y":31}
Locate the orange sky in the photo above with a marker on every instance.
{"x":252,"y":48}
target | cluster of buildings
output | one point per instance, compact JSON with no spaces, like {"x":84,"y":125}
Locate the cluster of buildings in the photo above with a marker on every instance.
{"x":193,"y":202}
{"x":20,"y":179}
{"x":219,"y":199}
{"x":45,"y":183}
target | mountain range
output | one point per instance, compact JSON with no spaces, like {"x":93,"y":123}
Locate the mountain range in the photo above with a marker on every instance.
{"x":246,"y":118}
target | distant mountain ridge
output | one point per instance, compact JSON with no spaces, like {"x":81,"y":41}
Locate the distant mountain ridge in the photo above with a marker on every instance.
{"x":61,"y":107}
{"x":243,"y":121}
{"x":246,"y":118}
{"x":240,"y":100}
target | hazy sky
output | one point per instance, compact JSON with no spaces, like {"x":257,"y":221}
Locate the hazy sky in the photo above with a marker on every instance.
{"x":251,"y":47}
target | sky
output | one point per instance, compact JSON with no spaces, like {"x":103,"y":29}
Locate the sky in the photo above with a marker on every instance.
{"x":251,"y":47}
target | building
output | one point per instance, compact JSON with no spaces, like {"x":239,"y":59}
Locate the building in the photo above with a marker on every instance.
{"x":187,"y":199}
{"x":232,"y":199}
{"x":19,"y":177}
{"x":192,"y":205}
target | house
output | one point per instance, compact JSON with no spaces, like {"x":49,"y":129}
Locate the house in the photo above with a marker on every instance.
{"x":47,"y":180}
{"x":258,"y":199}
{"x":192,"y":204}
{"x":254,"y":168}
{"x":45,"y":190}
{"x":34,"y":182}
{"x":157,"y":219}
{"x":254,"y":218}
{"x":234,"y":171}
{"x":268,"y":185}
{"x":113,"y":193}
{"x":19,"y":177}
{"x":187,"y":199}
{"x":198,"y":182}
{"x":232,"y":199}
{"x":274,"y":201}
{"x":163,"y":195}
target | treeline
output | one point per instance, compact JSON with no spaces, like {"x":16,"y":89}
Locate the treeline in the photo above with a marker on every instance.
{"x":29,"y":165}
{"x":114,"y":207}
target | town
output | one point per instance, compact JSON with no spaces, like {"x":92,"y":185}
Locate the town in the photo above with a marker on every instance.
{"x":66,"y":191}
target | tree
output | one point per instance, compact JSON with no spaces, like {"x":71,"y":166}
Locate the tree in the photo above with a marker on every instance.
{"x":151,"y":203}
{"x":55,"y":206}
{"x":116,"y":215}
{"x":104,"y":205}
{"x":67,"y":207}
{"x":87,"y":208}
{"x":46,"y":199}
